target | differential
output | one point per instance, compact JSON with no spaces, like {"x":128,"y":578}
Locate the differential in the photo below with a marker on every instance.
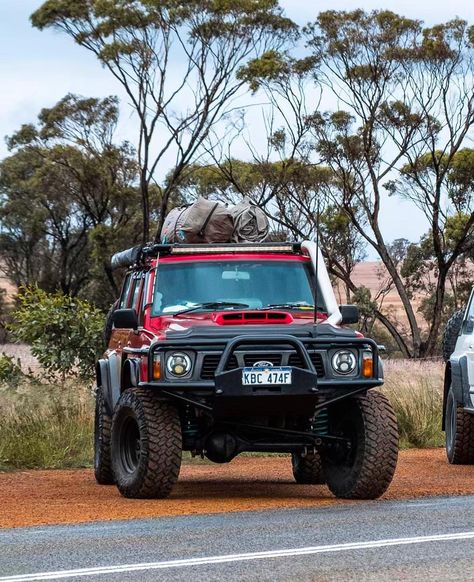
{"x":221,"y":447}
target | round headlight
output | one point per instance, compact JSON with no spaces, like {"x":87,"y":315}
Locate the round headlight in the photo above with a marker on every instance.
{"x":178,"y":364}
{"x":344,"y":362}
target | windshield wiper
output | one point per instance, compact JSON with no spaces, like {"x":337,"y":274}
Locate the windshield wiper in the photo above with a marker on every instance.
{"x":211,"y":305}
{"x":296,"y":305}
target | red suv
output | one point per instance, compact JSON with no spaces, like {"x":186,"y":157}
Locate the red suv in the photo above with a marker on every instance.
{"x":223,"y":349}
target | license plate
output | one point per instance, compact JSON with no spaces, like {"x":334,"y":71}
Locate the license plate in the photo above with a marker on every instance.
{"x":266,"y":376}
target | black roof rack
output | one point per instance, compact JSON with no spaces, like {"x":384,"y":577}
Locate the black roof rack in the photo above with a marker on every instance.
{"x":138,"y":254}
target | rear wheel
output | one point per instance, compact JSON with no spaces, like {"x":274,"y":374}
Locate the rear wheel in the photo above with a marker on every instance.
{"x":459,"y":427}
{"x":308,"y":469}
{"x":102,"y":425}
{"x":366,"y":468}
{"x":146,"y":445}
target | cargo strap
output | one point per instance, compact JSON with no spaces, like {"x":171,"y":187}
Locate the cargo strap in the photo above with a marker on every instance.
{"x":206,"y":222}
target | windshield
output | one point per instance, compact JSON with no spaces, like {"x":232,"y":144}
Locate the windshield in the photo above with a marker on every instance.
{"x":221,"y":285}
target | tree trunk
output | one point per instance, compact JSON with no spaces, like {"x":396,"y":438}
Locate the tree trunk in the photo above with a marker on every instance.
{"x":428,"y":349}
{"x":402,"y":293}
{"x":163,"y":209}
{"x":111,"y":280}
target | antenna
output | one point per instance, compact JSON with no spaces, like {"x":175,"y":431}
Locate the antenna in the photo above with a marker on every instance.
{"x":316,"y":266}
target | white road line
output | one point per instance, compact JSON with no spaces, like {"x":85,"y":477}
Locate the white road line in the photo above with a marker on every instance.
{"x":126,"y":568}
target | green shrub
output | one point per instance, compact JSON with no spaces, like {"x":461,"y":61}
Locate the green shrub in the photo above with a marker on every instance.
{"x":65,"y":333}
{"x":10,"y":370}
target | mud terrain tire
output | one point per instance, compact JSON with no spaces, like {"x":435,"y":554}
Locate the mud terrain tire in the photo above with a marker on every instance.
{"x":366,"y":470}
{"x":308,"y":470}
{"x":146,"y":445}
{"x":102,"y":425}
{"x":459,"y":433}
{"x":451,"y":333}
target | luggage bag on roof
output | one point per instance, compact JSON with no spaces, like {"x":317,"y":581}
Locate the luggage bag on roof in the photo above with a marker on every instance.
{"x":208,"y":221}
{"x":204,"y":221}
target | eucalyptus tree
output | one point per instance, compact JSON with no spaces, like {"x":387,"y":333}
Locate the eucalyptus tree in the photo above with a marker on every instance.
{"x":177,"y":61}
{"x":65,"y":183}
{"x":404,"y":110}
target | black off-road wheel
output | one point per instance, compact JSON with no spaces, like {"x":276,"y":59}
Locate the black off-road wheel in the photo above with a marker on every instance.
{"x":451,"y":333}
{"x":459,"y":427}
{"x":146,"y":445}
{"x":366,"y":468}
{"x":308,"y":469}
{"x":102,"y":427}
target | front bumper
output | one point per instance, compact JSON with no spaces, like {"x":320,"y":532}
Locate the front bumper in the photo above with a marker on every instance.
{"x":309,"y":385}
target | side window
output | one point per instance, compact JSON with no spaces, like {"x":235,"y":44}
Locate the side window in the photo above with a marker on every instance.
{"x":136,"y":291}
{"x":143,"y":299}
{"x":125,"y":291}
{"x":468,"y":325}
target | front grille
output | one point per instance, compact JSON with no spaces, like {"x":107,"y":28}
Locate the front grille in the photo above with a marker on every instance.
{"x":317,"y":359}
{"x":211,"y":361}
{"x":251,"y":359}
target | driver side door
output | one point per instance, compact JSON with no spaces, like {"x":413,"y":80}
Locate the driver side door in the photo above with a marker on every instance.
{"x":467,"y":336}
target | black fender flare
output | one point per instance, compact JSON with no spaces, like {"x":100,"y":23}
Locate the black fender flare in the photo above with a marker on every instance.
{"x":456,"y":375}
{"x":459,"y":379}
{"x":447,"y":386}
{"x":103,"y":381}
{"x":108,"y":378}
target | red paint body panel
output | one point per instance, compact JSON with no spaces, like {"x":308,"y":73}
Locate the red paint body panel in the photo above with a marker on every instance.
{"x":231,"y":257}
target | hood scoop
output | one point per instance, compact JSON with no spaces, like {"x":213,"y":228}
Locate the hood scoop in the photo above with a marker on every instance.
{"x":253,"y":318}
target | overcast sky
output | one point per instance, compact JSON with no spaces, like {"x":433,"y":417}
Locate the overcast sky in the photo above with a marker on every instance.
{"x":38,"y":68}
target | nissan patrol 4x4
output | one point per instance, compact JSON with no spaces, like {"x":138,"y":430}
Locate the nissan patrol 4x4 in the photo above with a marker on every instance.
{"x":224,"y":349}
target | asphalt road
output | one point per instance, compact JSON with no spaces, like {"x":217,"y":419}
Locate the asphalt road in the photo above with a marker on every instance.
{"x":430,"y":539}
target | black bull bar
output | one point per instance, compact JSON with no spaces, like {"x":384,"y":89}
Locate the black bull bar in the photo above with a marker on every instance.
{"x":230,"y":396}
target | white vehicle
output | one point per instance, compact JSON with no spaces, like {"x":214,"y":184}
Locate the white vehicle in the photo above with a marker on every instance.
{"x":458,"y":405}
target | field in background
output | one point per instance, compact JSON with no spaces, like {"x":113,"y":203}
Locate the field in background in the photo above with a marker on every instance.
{"x":374,"y":276}
{"x":415,"y":389}
{"x":45,"y":426}
{"x":51,"y":426}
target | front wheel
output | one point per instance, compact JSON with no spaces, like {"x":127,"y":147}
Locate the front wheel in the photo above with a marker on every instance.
{"x":364,"y":469}
{"x":146,"y":445}
{"x":459,"y":427}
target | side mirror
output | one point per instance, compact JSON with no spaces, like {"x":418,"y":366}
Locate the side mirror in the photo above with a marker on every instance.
{"x":125,"y":319}
{"x":468,"y":325}
{"x":350,"y":314}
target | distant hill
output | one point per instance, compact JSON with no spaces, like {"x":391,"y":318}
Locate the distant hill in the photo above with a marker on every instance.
{"x":374,"y":276}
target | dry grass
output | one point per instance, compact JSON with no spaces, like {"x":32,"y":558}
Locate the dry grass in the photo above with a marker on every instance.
{"x":415,"y":389}
{"x":44,"y":426}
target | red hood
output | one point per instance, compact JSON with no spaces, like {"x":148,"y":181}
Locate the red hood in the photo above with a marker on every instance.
{"x":160,"y":325}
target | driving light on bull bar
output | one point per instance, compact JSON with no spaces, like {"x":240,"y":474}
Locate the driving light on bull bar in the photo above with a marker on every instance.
{"x":178,"y":364}
{"x":344,"y":362}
